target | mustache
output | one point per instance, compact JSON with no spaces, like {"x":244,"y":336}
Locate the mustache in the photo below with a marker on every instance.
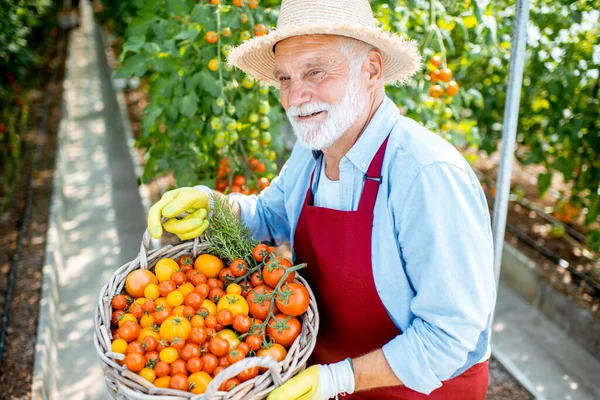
{"x":308,"y":109}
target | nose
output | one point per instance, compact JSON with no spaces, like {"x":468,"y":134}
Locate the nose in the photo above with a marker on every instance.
{"x":298,"y":93}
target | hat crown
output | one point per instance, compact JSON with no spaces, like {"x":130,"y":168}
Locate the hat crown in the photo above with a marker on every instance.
{"x":300,"y":12}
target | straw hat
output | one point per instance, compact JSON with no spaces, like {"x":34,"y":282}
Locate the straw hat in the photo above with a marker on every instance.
{"x":350,"y":18}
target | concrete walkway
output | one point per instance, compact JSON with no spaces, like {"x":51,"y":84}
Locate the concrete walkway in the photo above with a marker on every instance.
{"x":96,"y":222}
{"x":540,"y":355}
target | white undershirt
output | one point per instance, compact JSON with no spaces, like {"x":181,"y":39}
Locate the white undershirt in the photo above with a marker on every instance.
{"x":328,"y":191}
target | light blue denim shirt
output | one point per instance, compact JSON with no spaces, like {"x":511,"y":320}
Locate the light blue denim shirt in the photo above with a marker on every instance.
{"x":431,"y":242}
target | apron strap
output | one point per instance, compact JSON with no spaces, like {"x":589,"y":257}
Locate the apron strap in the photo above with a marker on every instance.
{"x":372,"y":180}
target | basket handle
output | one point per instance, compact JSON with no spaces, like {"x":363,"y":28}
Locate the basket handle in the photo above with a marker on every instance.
{"x":147,"y":244}
{"x":233,"y":370}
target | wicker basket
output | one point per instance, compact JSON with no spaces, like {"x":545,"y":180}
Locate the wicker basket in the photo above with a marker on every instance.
{"x":124,"y":384}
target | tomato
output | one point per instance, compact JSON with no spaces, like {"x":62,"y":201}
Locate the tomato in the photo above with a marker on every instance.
{"x":197,"y":278}
{"x":218,"y":370}
{"x":164,"y":268}
{"x":445,"y":74}
{"x":199,"y":382}
{"x":135,"y":347}
{"x":239,"y":180}
{"x":244,"y":19}
{"x":149,"y":343}
{"x":149,"y":306}
{"x":175,"y":298}
{"x":150,"y":331}
{"x":127,"y":317}
{"x":119,"y":346}
{"x":178,"y":367}
{"x":283,"y":329}
{"x":168,"y":355}
{"x":434,"y":76}
{"x":244,"y":348}
{"x":211,"y":37}
{"x":238,"y":267}
{"x":162,"y":382}
{"x":241,"y":323}
{"x":186,"y":288}
{"x":260,"y":251}
{"x":215,"y":283}
{"x":230,"y":336}
{"x":161,"y":315}
{"x":436,"y":91}
{"x":184,"y":260}
{"x":209,"y":265}
{"x":238,"y":3}
{"x":263,"y":183}
{"x":277,"y":352}
{"x":223,"y":361}
{"x":259,"y":302}
{"x":230,"y":384}
{"x":253,"y":4}
{"x":119,"y":302}
{"x":136,"y":310}
{"x":218,"y":346}
{"x":235,"y":355}
{"x":116,"y":317}
{"x":194,"y":364}
{"x":137,"y":281}
{"x":177,"y":343}
{"x":162,"y":369}
{"x":148,"y":374}
{"x":190,"y":350}
{"x":193,"y":300}
{"x":435,"y":60}
{"x":253,"y":341}
{"x":129,"y":331}
{"x":174,"y":327}
{"x":274,"y":269}
{"x":135,"y":362}
{"x":197,"y":335}
{"x":226,"y":275}
{"x":234,"y":288}
{"x":452,"y":88}
{"x":246,"y":287}
{"x":209,"y":363}
{"x":213,"y":64}
{"x":293,"y":300}
{"x":197,"y":321}
{"x":234,"y":303}
{"x":162,"y":344}
{"x":179,"y":382}
{"x":166,"y":287}
{"x":216,"y":294}
{"x":179,"y":278}
{"x":257,"y":279}
{"x":224,"y":317}
{"x":260,"y":30}
{"x":248,"y":374}
{"x":151,"y":356}
{"x":210,"y":321}
{"x":202,"y":289}
{"x":188,"y":312}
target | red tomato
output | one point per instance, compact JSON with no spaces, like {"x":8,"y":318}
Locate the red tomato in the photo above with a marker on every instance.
{"x":226,"y":275}
{"x":257,"y":305}
{"x":193,"y":300}
{"x":210,"y":362}
{"x":293,"y":300}
{"x":253,"y":341}
{"x":283,"y":329}
{"x":197,"y":335}
{"x":162,"y":369}
{"x":166,"y":287}
{"x":238,"y":267}
{"x":202,"y":289}
{"x":129,"y":331}
{"x":260,"y":251}
{"x":135,"y":362}
{"x":218,"y":346}
{"x":179,"y":382}
{"x":190,"y":350}
{"x":185,"y":260}
{"x":194,"y":364}
{"x":215,"y":294}
{"x":178,"y":366}
{"x":277,"y":352}
{"x":225,"y":317}
{"x":248,"y":374}
{"x":241,"y":323}
{"x":274,"y":269}
{"x":119,"y":302}
{"x":197,"y":278}
{"x":179,"y":278}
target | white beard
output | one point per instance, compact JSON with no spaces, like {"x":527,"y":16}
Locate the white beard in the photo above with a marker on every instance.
{"x":340,"y":117}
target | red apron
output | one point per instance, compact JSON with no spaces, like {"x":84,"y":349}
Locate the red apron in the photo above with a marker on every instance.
{"x":336,"y":245}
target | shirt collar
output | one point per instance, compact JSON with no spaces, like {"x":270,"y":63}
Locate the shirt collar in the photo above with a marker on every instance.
{"x":363,"y":151}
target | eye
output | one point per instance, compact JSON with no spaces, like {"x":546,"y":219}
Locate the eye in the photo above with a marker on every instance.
{"x":315,"y":72}
{"x":283,"y":78}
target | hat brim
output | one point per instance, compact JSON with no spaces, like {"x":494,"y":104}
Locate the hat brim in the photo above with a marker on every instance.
{"x":401,"y":59}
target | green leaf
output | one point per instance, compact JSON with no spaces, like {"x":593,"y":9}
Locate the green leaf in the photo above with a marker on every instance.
{"x":151,"y":113}
{"x":201,"y":13}
{"x":133,"y":44}
{"x":210,"y":84}
{"x":134,"y":66}
{"x":138,"y":27}
{"x":189,"y":104}
{"x":544,"y":182}
{"x":177,"y":7}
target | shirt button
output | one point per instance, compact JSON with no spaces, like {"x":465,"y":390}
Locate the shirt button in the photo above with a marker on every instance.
{"x":363,"y":165}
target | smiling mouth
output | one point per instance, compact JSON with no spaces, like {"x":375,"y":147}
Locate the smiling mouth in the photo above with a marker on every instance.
{"x":310,"y":115}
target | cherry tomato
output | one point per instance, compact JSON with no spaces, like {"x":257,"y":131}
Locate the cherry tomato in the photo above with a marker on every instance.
{"x":258,"y":305}
{"x":210,"y":321}
{"x":151,"y":356}
{"x":203,"y":290}
{"x":243,"y":347}
{"x":197,"y":278}
{"x":293,"y":300}
{"x":276,"y":351}
{"x":166,"y":287}
{"x":179,"y":382}
{"x":129,"y":331}
{"x":253,"y":341}
{"x":135,"y":362}
{"x":162,"y":369}
{"x":119,"y":302}
{"x":215,"y":294}
{"x":197,"y":335}
{"x":230,"y":384}
{"x":218,"y":346}
{"x":274,"y":269}
{"x":215,"y":283}
{"x":248,"y":374}
{"x":241,"y":323}
{"x":150,"y":343}
{"x":185,"y":260}
{"x":260,"y":251}
{"x":135,"y":347}
{"x":194,"y":364}
{"x":234,"y":356}
{"x":226,"y":275}
{"x":149,"y":306}
{"x":283,"y":329}
{"x":238,"y":267}
{"x":178,"y":367}
{"x":116,"y":317}
{"x":179,"y":278}
{"x":225,"y":317}
{"x":136,"y":310}
{"x":209,"y":363}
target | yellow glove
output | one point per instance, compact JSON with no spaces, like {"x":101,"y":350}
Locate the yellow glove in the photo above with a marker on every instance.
{"x":319,"y":382}
{"x":175,"y":202}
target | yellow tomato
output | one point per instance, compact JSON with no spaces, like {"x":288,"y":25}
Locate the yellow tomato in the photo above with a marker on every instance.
{"x":147,"y":320}
{"x":186,"y":288}
{"x":175,"y":298}
{"x":119,"y":346}
{"x":148,"y":374}
{"x":160,"y":302}
{"x":178,"y":311}
{"x":209,"y":265}
{"x":233,"y":302}
{"x":248,"y":82}
{"x":234,"y":288}
{"x":151,"y":292}
{"x":174,"y":327}
{"x":168,"y":355}
{"x":140,"y":301}
{"x":210,"y":306}
{"x":230,"y":336}
{"x":148,"y":332}
{"x":163,"y":382}
{"x":200,"y":380}
{"x":164,"y":269}
{"x":127,"y":317}
{"x":213,"y":64}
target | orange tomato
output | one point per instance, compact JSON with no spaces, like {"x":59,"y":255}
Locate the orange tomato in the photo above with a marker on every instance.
{"x":452,"y":88}
{"x":445,"y":74}
{"x":199,"y":381}
{"x":253,"y":4}
{"x":260,"y":30}
{"x":211,"y":37}
{"x":138,"y":280}
{"x":209,"y":265}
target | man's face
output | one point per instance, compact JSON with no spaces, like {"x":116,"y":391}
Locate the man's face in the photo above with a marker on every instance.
{"x":321,"y":96}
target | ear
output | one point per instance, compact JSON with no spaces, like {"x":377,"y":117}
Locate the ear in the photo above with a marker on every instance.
{"x":375,"y":69}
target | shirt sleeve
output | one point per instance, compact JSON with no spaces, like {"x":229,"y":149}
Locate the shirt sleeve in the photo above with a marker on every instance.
{"x":443,"y":231}
{"x":265,"y":214}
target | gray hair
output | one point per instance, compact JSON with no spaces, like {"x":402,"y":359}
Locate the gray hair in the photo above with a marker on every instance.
{"x":357,"y":52}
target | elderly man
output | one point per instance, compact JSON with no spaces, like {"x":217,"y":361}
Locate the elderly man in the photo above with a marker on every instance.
{"x":390,"y":218}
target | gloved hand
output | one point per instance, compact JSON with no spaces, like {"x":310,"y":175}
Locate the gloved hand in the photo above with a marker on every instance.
{"x":319,"y":382}
{"x":173,"y":203}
